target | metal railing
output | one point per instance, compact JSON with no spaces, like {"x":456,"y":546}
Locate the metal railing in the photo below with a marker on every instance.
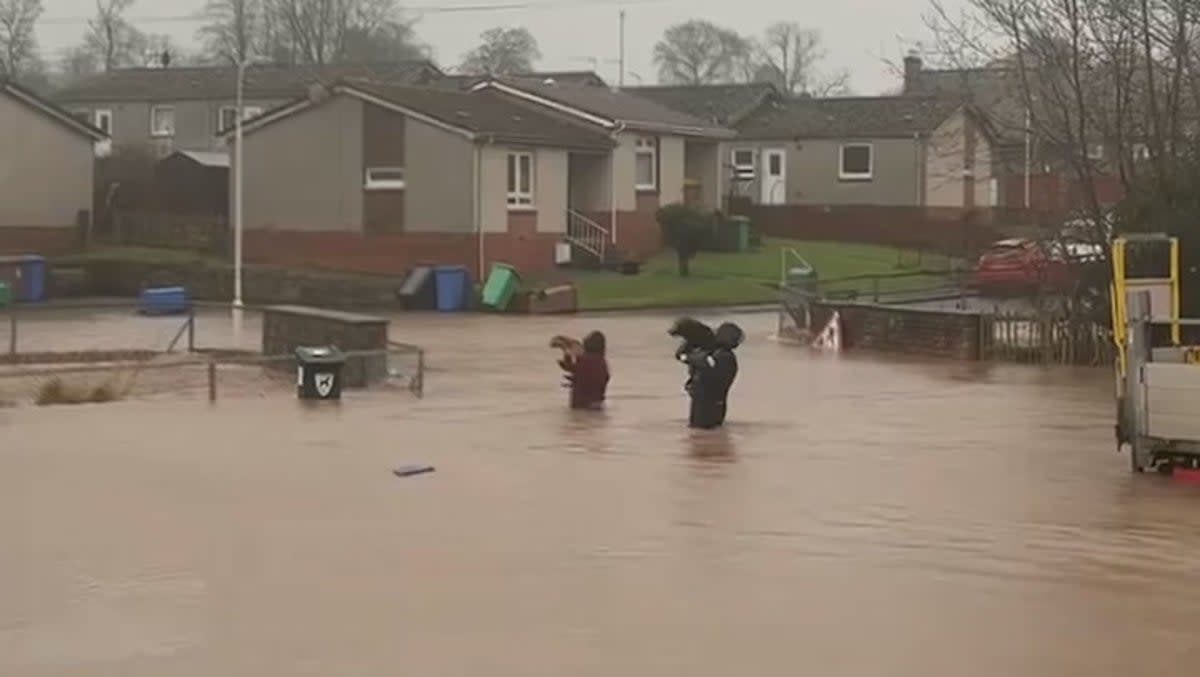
{"x":587,"y":234}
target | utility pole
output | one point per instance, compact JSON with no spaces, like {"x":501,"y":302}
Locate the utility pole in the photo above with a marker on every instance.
{"x":621,"y":60}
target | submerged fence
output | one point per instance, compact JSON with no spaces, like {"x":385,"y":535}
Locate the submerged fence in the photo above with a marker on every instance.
{"x":937,"y":313}
{"x":174,"y":362}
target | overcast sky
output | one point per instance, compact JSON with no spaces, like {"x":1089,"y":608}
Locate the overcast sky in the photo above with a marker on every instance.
{"x":860,"y":35}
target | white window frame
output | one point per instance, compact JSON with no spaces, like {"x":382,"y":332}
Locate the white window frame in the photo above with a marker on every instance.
{"x":373,"y":182}
{"x":248,"y":113}
{"x":520,"y":199}
{"x":856,"y":176}
{"x":744,"y":171}
{"x":1095,"y":151}
{"x":646,"y":146}
{"x":154,"y":110}
{"x":101,"y":114}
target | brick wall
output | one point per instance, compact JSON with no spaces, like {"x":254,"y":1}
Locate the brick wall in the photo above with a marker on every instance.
{"x":952,"y":231}
{"x":905,"y":330}
{"x":44,"y":241}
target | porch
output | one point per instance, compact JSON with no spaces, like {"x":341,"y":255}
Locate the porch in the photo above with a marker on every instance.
{"x":610,"y":217}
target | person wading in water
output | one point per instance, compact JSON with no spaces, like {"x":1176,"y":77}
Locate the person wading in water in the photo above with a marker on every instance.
{"x":587,"y":372}
{"x":712,"y":369}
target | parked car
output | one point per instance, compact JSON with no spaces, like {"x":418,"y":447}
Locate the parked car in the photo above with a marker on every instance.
{"x":1021,"y":265}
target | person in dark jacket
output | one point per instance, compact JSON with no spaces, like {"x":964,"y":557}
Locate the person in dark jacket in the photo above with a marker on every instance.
{"x":715,"y":371}
{"x":587,"y":373}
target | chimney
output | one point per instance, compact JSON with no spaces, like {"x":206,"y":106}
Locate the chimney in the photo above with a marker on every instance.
{"x":912,"y":71}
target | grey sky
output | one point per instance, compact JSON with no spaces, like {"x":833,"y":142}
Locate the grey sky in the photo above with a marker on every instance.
{"x":859,"y":34}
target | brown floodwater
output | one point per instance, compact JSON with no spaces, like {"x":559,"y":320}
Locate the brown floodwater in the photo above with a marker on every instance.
{"x":857,"y":516}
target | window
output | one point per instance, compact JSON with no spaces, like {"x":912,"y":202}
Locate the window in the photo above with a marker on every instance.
{"x":520,"y":180}
{"x":162,"y":121}
{"x":743,"y":164}
{"x":384,"y":178}
{"x":104,"y":120}
{"x":856,"y":162}
{"x":645,"y":169}
{"x":227,"y":116}
{"x":1095,"y":151}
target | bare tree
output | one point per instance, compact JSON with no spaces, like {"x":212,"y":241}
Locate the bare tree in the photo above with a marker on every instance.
{"x":698,"y":53}
{"x":503,"y":51}
{"x":788,"y":57}
{"x":330,"y":31}
{"x":233,"y":32}
{"x":18,"y":43}
{"x":110,"y":36}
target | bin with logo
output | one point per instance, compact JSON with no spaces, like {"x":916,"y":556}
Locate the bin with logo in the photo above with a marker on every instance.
{"x":319,"y":372}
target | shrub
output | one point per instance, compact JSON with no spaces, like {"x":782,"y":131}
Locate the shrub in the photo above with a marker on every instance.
{"x":684,"y":230}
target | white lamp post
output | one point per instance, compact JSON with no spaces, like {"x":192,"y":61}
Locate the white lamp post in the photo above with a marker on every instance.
{"x":237,"y":188}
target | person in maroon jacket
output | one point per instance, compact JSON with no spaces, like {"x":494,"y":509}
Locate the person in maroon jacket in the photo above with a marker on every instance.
{"x":587,"y":373}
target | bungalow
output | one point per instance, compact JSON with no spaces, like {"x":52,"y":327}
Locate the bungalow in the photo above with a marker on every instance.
{"x":376,"y":177}
{"x":660,"y":156}
{"x":187,"y":108}
{"x":878,"y":151}
{"x":46,"y":173}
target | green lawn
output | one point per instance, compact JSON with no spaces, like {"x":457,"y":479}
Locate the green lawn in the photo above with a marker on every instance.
{"x":753,"y":277}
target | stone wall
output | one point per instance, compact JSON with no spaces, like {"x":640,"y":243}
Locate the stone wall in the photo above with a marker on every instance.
{"x":285,"y":328}
{"x":933,"y":333}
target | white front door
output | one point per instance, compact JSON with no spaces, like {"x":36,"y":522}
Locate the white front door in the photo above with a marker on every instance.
{"x":774,"y":177}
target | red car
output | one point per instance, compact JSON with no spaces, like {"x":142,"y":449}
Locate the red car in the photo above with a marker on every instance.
{"x":1021,"y":265}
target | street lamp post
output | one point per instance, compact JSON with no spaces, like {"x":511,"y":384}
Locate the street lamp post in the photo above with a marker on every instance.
{"x":237,"y":188}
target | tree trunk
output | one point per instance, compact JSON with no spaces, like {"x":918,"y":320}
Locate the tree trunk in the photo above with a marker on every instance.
{"x":684,"y":259}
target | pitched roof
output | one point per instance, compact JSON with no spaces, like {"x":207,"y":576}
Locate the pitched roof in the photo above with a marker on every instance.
{"x":220,"y":82}
{"x":587,"y":78}
{"x":992,"y":91}
{"x":847,"y":117}
{"x":476,"y":115}
{"x":720,"y":104}
{"x":606,"y":107}
{"x":50,"y":110}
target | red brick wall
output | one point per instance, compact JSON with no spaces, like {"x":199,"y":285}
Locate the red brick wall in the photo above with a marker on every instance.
{"x":1059,"y":193}
{"x":394,"y":253}
{"x":44,"y":241}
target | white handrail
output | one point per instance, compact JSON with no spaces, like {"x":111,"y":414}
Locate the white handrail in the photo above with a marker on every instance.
{"x":587,"y":234}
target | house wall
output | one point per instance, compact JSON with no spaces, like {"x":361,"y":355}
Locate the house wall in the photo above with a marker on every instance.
{"x":305,"y":172}
{"x":195,"y":122}
{"x":954,"y":148}
{"x":944,"y":163}
{"x":624,"y":173}
{"x":493,"y":188}
{"x":812,"y":171}
{"x":439,"y":175}
{"x":46,"y":170}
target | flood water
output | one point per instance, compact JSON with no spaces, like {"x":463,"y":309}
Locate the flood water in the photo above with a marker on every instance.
{"x":858,"y":516}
